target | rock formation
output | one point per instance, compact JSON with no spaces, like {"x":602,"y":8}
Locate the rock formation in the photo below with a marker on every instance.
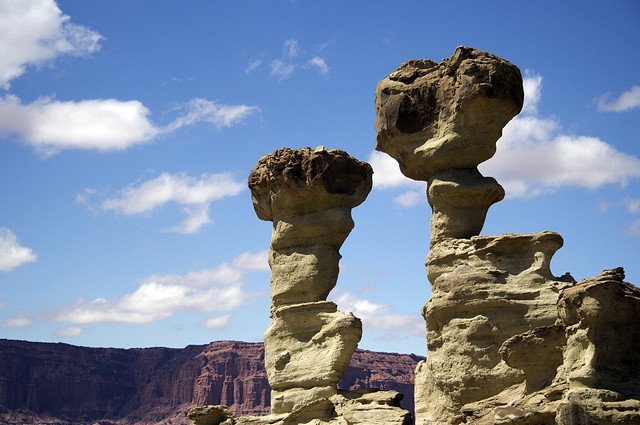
{"x":494,"y":339}
{"x":309,"y":194}
{"x":62,"y":384}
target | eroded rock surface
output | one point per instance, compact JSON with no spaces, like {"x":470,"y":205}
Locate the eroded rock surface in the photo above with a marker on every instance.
{"x":508,"y":342}
{"x":433,"y":117}
{"x":601,"y":360}
{"x":485,"y":291}
{"x":309,"y":194}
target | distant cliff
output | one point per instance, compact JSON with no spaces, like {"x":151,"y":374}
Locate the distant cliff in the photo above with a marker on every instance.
{"x":44,"y":383}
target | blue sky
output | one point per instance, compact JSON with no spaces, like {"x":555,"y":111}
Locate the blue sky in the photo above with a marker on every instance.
{"x":128,"y":129}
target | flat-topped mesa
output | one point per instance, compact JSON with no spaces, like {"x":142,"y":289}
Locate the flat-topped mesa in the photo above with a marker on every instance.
{"x":308,"y":194}
{"x":439,"y":121}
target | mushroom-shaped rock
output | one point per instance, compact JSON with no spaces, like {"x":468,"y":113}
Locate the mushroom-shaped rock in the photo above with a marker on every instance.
{"x":301,"y":181}
{"x":432,"y":117}
{"x":308,"y":194}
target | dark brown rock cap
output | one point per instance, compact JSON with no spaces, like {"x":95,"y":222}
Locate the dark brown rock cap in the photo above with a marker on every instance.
{"x":432,"y":117}
{"x":299,"y":181}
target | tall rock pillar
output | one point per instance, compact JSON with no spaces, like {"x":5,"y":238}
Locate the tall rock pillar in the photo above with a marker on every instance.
{"x":439,"y":121}
{"x":308,"y":194}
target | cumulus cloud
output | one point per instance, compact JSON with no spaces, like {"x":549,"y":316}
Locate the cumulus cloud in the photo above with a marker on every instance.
{"x":35,"y":31}
{"x":217,"y":289}
{"x":532,"y":84}
{"x":103,"y":124}
{"x":12,"y":254}
{"x":381,"y":316}
{"x":386,"y":173}
{"x":535,"y":156}
{"x":195,"y":194}
{"x":319,"y":64}
{"x":18,"y":322}
{"x":628,"y":100}
{"x":216,"y":322}
{"x":68,"y":332}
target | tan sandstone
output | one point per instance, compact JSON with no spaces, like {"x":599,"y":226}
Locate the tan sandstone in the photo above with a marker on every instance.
{"x":507,"y":341}
{"x":308,"y":194}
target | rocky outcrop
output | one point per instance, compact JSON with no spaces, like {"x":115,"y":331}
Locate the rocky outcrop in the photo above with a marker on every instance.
{"x":439,"y":121}
{"x":601,"y":362}
{"x":43,"y":383}
{"x":497,"y":350}
{"x":308,"y":194}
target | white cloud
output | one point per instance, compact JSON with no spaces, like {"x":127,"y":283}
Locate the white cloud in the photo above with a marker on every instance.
{"x":35,"y":31}
{"x":386,"y":173}
{"x":253,"y":65}
{"x":626,"y":101}
{"x":160,"y":296}
{"x":381,"y":316}
{"x":12,"y":254}
{"x":534,"y":156}
{"x":203,"y":110}
{"x":320,"y":64}
{"x":68,"y":332}
{"x":291,"y":48}
{"x":195,"y":194}
{"x":633,"y":205}
{"x":281,"y":69}
{"x":410,"y":199}
{"x":286,"y":65}
{"x":103,"y":124}
{"x":18,"y":322}
{"x":216,"y":322}
{"x":197,"y":218}
{"x":532,"y":84}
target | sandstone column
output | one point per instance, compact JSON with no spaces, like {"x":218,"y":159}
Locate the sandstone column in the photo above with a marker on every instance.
{"x":439,"y":121}
{"x":308,"y":194}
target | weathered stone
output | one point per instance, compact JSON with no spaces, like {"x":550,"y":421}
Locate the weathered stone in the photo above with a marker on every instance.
{"x":592,"y":351}
{"x":601,"y":359}
{"x":498,"y":353}
{"x":309,"y":194}
{"x":433,"y":117}
{"x":309,"y":345}
{"x":460,"y":199}
{"x":538,"y":353}
{"x":299,"y":181}
{"x":211,"y":415}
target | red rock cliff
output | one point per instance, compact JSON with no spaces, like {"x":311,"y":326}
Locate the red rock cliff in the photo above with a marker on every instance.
{"x":44,"y":383}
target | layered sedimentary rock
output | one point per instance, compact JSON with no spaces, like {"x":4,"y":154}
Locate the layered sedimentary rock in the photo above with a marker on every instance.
{"x":309,"y":194}
{"x":585,"y":369}
{"x":494,"y":338}
{"x":44,"y":383}
{"x":601,"y":364}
